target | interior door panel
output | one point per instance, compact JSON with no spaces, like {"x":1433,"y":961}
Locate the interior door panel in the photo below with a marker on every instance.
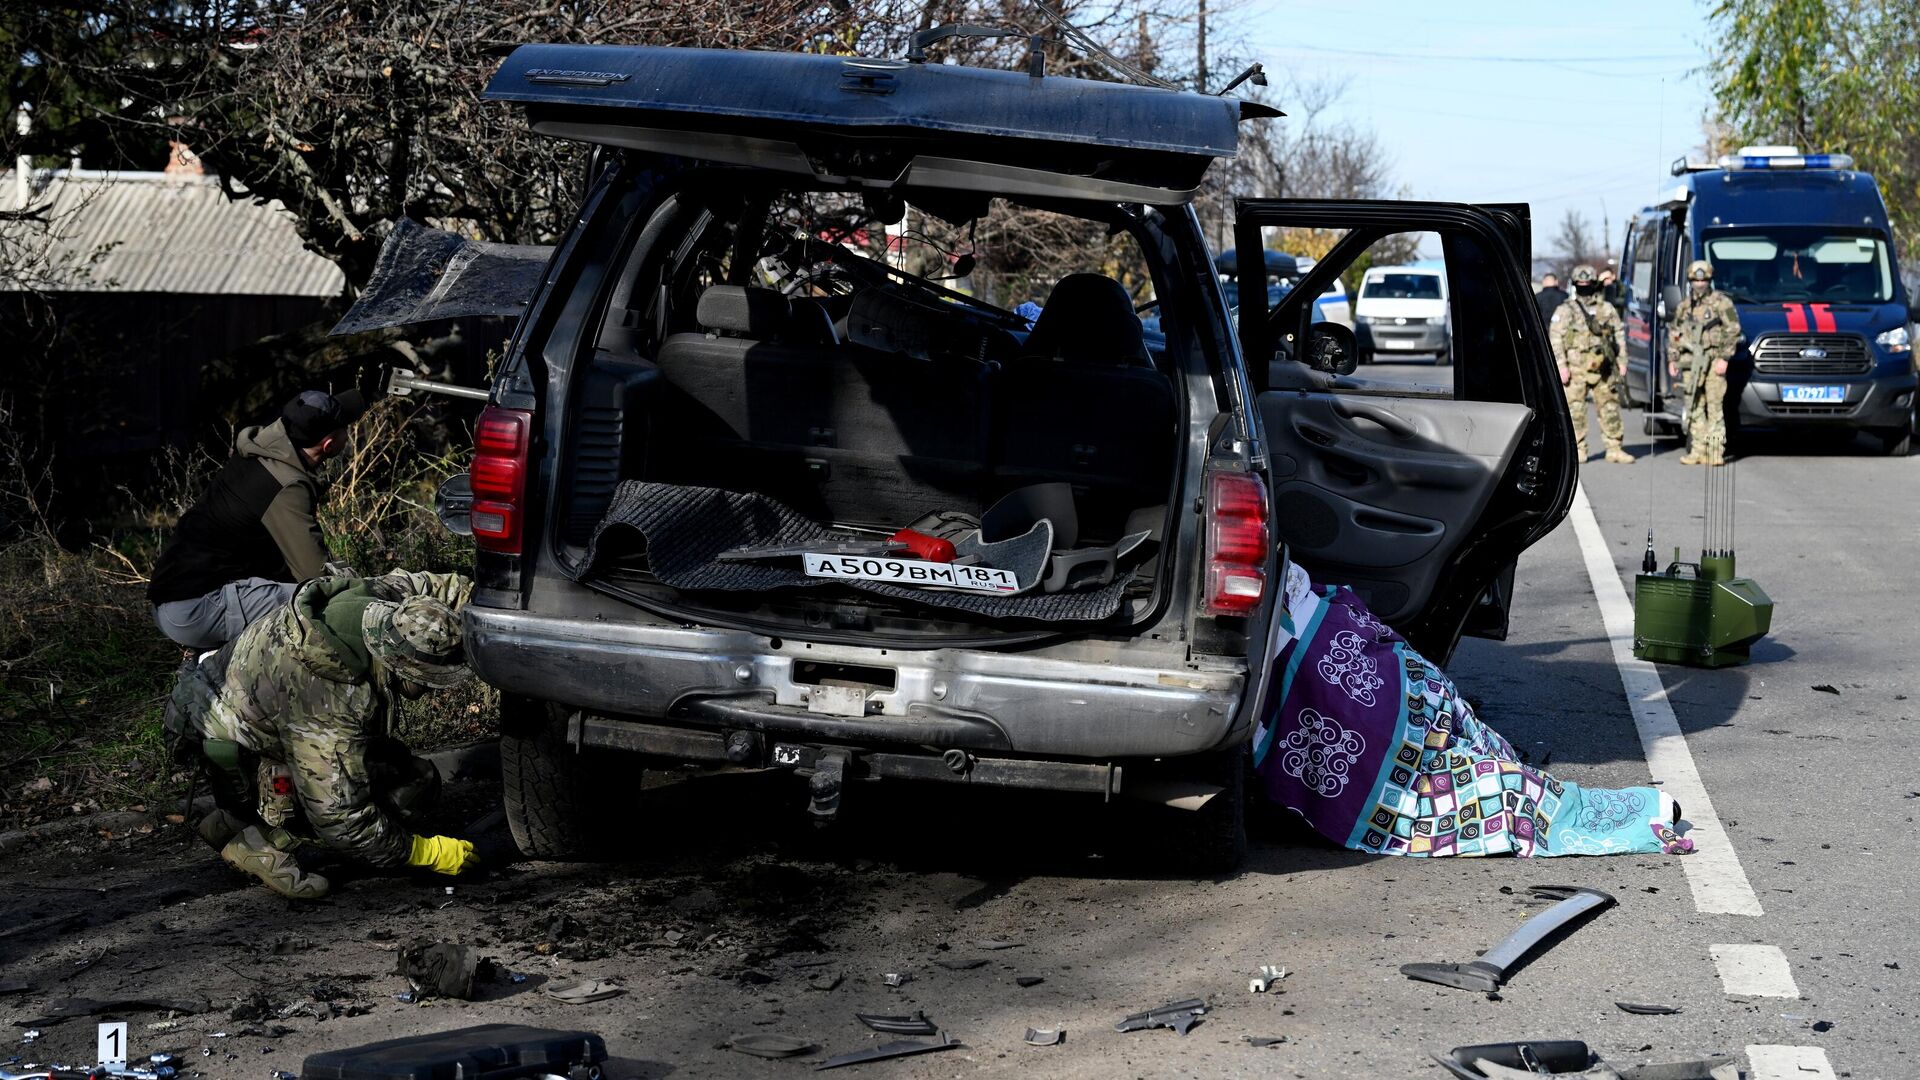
{"x":1378,"y":493}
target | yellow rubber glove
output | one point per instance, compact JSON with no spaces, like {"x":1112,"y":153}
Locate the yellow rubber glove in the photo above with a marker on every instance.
{"x":443,"y":854}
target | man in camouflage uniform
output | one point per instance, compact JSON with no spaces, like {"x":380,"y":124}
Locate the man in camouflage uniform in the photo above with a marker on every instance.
{"x":1701,"y":339}
{"x":294,"y":719}
{"x":1588,"y":341}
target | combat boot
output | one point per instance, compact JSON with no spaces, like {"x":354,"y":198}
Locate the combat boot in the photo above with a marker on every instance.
{"x":252,"y":852}
{"x":1619,"y":456}
{"x":1692,"y":459}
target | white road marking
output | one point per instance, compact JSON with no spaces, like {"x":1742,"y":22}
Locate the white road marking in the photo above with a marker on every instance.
{"x":1788,"y":1063}
{"x":1754,"y":970}
{"x":1719,"y":882}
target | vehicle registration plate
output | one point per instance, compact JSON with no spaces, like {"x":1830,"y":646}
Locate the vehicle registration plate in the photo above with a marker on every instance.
{"x":1813,"y":393}
{"x":1396,"y":343}
{"x":911,"y":572}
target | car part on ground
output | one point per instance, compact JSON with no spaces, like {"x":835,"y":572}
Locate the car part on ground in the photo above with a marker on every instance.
{"x":1046,"y":1036}
{"x":1181,"y":1016}
{"x":484,"y":1052}
{"x":902,"y":1048}
{"x":1488,"y":973}
{"x":916,"y":1024}
{"x":1640,"y":1009}
{"x":770,"y":1045}
{"x":1263,"y":980}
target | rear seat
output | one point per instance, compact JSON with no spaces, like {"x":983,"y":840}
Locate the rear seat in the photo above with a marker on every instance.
{"x":1085,"y":405}
{"x":770,"y":399}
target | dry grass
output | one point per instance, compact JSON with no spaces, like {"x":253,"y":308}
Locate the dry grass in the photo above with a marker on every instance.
{"x":84,"y":673}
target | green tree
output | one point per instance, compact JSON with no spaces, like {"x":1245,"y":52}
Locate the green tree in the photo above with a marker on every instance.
{"x":1836,"y":75}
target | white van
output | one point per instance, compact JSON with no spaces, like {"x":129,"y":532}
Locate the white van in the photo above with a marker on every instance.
{"x":1403,"y":310}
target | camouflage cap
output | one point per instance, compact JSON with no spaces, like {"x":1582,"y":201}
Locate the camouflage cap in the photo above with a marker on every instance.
{"x":1699,"y":270}
{"x":417,"y":639}
{"x":1583,"y":274}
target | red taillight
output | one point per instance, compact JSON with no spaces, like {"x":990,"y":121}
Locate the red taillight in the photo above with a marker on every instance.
{"x":1237,"y":542}
{"x":501,"y":441}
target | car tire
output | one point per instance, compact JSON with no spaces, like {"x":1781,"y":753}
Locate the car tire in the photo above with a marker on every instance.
{"x":1897,"y":442}
{"x":1444,"y":359}
{"x":1210,"y":841}
{"x":554,"y":797}
{"x":1366,"y":357}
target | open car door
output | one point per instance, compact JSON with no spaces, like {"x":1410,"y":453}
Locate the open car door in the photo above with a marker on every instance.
{"x":1420,"y":498}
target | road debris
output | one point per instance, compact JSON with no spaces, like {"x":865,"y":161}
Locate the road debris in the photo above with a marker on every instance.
{"x":771,"y":1045}
{"x":1181,"y":1016}
{"x":1263,"y":980}
{"x":961,"y":963}
{"x":917,"y":1024}
{"x":1647,"y":1010}
{"x":580,"y":991}
{"x":903,"y":1048}
{"x":14,"y":986}
{"x":1529,"y":1058}
{"x":994,"y":945}
{"x":897,"y":978}
{"x":1024,"y":981}
{"x":1488,"y":973}
{"x":439,"y":968}
{"x":1046,"y":1036}
{"x":1826,"y":688}
{"x":826,"y":982}
{"x":1264,"y":1040}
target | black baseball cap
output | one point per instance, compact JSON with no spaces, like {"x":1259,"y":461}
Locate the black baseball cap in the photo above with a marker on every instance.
{"x":315,"y":414}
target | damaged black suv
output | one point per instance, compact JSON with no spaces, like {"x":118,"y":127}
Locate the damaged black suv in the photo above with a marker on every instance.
{"x":760,"y":485}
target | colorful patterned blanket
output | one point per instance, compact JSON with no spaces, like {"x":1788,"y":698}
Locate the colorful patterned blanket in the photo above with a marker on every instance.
{"x":1377,"y":750}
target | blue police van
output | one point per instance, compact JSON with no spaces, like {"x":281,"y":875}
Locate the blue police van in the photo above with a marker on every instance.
{"x":1801,"y":244}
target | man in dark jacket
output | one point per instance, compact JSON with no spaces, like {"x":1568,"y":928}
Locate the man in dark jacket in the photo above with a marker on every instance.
{"x":242,"y":549}
{"x":1550,"y":296}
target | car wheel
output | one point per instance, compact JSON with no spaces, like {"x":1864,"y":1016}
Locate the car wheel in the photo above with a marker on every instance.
{"x":1444,"y":359}
{"x":1898,"y":442}
{"x":1366,"y":357}
{"x":556,"y":800}
{"x":1209,"y":841}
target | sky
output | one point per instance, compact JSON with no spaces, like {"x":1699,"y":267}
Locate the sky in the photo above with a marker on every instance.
{"x":1557,"y":105}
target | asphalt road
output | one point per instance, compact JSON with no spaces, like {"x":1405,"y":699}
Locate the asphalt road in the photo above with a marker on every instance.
{"x":727,"y":910}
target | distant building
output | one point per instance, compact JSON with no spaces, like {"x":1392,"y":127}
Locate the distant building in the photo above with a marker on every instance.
{"x":144,"y":277}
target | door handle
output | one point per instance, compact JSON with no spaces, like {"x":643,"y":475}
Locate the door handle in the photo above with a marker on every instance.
{"x":1361,"y":410}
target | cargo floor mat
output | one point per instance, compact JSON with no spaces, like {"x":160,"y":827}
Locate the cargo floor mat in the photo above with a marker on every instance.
{"x":683,"y":530}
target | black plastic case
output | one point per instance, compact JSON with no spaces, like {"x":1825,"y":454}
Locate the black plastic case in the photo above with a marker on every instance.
{"x":486,"y":1052}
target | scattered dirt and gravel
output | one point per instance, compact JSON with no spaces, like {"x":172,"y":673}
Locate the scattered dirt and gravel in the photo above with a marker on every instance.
{"x":725,"y":913}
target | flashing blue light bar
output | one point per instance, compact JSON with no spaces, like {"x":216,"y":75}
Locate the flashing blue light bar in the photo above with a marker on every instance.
{"x":1736,"y":162}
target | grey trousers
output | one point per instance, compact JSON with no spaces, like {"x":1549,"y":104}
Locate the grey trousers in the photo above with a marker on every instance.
{"x":211,"y":621}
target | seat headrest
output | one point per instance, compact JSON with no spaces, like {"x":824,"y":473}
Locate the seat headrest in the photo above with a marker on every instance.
{"x":744,"y":310}
{"x":1089,"y":319}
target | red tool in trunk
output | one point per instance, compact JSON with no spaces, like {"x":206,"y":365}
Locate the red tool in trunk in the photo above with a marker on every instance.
{"x":918,"y":544}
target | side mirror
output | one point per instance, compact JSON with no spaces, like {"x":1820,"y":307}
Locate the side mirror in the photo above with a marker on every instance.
{"x":1331,"y":348}
{"x":1672,"y":296}
{"x":453,"y":503}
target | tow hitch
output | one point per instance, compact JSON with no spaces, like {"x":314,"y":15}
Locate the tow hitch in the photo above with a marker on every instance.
{"x":828,"y":782}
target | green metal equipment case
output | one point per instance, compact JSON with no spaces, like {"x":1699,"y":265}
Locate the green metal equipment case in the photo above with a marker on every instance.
{"x":1706,"y":619}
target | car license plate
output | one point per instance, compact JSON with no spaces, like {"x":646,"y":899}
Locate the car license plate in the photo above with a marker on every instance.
{"x":1813,"y":393}
{"x":911,"y":572}
{"x":1396,"y":343}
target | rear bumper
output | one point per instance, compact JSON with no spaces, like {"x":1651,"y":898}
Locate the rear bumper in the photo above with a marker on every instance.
{"x":725,"y":680}
{"x":1882,"y":402}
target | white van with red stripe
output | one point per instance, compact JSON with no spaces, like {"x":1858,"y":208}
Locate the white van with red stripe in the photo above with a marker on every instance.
{"x":1801,"y":244}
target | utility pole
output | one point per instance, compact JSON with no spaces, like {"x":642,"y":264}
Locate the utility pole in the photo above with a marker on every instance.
{"x":1200,"y":76}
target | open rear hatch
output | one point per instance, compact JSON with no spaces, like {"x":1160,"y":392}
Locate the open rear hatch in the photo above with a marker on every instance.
{"x":890,"y":122}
